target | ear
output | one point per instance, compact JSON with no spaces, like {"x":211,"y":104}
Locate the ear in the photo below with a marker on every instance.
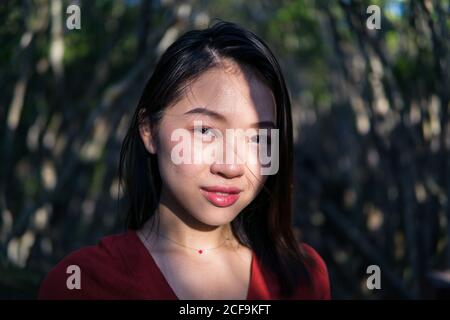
{"x":145,"y":131}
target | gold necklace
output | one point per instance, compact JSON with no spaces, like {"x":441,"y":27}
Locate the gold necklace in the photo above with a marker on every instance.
{"x":199,"y":251}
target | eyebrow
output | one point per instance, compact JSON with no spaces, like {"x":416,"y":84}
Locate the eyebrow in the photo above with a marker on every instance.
{"x":220,"y":117}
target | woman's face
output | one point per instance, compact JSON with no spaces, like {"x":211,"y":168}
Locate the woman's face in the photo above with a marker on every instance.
{"x":201,"y":130}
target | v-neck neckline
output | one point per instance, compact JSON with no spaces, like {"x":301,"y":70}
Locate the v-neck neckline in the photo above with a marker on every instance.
{"x":166,"y":284}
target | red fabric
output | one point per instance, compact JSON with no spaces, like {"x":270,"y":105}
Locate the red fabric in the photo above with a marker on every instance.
{"x":120,"y":267}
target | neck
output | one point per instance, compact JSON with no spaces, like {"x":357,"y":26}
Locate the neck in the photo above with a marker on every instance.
{"x":185,"y":230}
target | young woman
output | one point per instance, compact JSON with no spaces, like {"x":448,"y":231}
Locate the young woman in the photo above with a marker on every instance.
{"x":199,"y":225}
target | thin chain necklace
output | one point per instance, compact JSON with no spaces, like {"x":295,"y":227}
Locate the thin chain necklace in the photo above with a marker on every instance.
{"x":199,"y":251}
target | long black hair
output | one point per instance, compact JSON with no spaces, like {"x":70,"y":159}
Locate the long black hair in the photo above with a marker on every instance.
{"x":265,"y":224}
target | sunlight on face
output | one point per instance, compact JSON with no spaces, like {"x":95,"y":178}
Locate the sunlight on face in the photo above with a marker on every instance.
{"x":225,"y":97}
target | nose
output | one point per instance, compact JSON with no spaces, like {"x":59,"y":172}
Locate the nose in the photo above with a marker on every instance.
{"x":228,"y":171}
{"x":230,"y":164}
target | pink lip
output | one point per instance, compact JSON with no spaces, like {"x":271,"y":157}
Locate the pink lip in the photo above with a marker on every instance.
{"x":232,"y":195}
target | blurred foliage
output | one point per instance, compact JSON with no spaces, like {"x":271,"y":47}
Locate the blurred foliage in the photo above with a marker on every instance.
{"x":370,"y":111}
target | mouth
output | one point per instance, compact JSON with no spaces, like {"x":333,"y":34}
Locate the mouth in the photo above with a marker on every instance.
{"x":221,"y":196}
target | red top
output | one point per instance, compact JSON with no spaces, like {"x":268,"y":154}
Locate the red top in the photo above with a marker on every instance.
{"x":120,"y":267}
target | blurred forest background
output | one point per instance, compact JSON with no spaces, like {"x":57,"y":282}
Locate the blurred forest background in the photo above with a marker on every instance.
{"x":371,"y":117}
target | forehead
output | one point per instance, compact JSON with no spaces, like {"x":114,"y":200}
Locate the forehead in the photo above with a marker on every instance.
{"x":231,"y":91}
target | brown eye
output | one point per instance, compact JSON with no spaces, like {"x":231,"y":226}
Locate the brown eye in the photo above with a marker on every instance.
{"x":257,"y":139}
{"x":204,"y":131}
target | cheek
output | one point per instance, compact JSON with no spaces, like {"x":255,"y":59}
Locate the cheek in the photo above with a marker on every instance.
{"x":254,"y":170}
{"x":177,"y":176}
{"x":256,"y":181}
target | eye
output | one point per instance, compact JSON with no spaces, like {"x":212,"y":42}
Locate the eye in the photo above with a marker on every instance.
{"x":206,"y":131}
{"x":257,"y":139}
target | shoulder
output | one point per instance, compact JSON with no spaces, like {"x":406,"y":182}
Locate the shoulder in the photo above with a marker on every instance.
{"x":318,"y":272}
{"x":85,"y":271}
